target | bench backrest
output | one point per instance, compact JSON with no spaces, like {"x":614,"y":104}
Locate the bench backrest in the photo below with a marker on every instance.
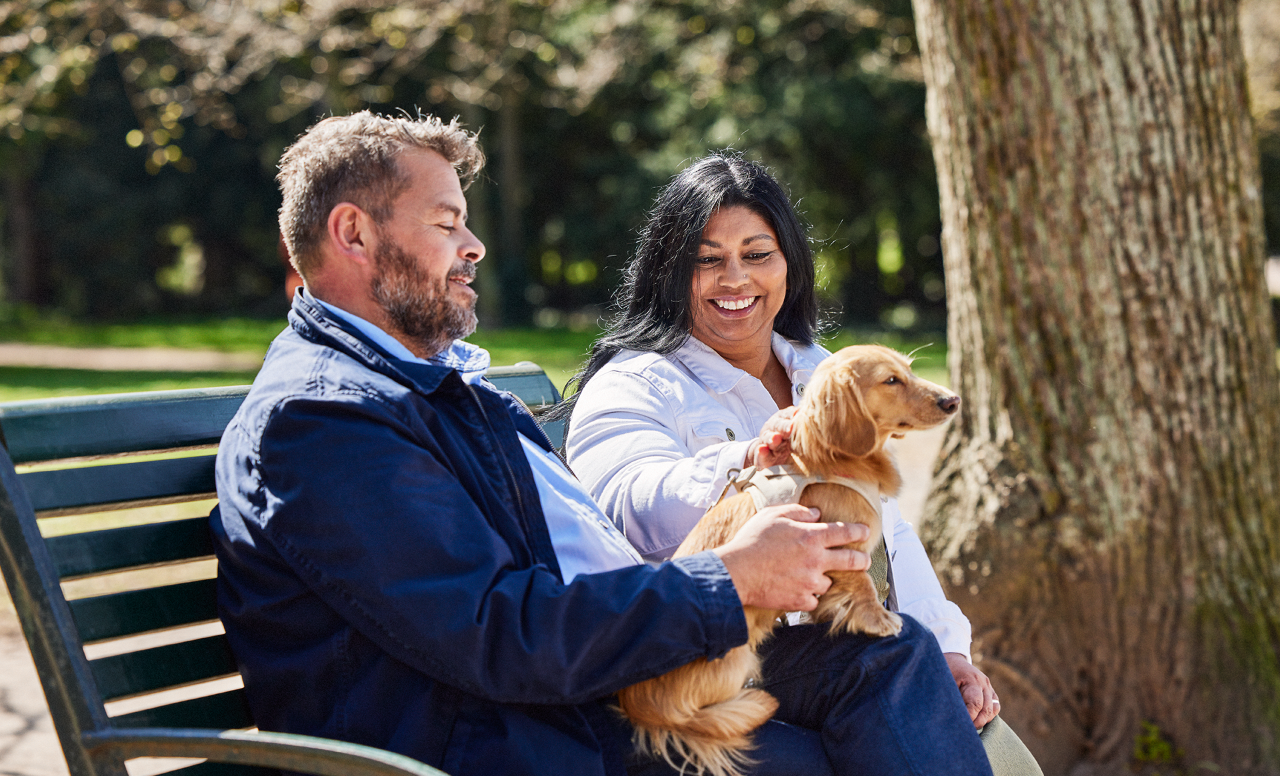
{"x":108,"y":557}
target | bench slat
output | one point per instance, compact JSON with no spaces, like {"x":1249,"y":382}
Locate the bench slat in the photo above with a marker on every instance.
{"x":139,"y":611}
{"x":46,"y":429}
{"x":222,"y":711}
{"x":67,"y":489}
{"x":160,"y":667}
{"x":94,"y":552}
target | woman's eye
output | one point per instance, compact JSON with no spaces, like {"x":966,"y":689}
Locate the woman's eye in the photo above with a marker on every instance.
{"x":757,"y":256}
{"x":706,"y":261}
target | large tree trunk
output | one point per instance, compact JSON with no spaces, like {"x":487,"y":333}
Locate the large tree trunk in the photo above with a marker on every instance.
{"x":1107,"y":507}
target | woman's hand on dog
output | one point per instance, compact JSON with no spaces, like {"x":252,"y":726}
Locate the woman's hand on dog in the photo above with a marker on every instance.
{"x":773,"y":446}
{"x":975,"y":688}
{"x":779,"y":558}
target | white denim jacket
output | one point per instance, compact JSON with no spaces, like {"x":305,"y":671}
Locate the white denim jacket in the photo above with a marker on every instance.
{"x":653,"y":438}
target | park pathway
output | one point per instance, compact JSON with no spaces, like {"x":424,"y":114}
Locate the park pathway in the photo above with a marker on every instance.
{"x":28,"y":744}
{"x":132,"y":359}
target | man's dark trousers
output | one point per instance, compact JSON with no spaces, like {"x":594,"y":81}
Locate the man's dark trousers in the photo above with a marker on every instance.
{"x":858,"y":705}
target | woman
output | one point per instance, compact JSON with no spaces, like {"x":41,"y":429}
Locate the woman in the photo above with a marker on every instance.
{"x":695,"y":377}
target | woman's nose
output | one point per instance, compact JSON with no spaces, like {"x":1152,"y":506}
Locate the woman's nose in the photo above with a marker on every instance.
{"x":733,"y":273}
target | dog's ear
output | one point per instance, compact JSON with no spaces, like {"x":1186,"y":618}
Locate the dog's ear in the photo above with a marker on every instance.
{"x":834,"y":420}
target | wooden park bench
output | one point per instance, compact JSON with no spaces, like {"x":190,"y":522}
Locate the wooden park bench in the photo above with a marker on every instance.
{"x":129,"y":571}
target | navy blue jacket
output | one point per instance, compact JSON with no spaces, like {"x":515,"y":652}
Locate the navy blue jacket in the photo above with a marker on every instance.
{"x":386,"y":575}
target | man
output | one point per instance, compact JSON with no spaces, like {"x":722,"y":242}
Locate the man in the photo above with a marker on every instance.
{"x":404,"y":562}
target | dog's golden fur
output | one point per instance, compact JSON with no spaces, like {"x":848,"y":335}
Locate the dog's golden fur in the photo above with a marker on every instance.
{"x":700,"y":716}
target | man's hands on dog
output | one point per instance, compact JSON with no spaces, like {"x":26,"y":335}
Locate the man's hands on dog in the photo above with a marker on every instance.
{"x":773,"y":446}
{"x":975,"y":688}
{"x":779,"y":558}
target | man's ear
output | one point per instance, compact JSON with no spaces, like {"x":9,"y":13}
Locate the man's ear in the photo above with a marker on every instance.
{"x":350,"y":232}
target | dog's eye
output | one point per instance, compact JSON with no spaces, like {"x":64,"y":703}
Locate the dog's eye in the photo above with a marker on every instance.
{"x":893,"y":380}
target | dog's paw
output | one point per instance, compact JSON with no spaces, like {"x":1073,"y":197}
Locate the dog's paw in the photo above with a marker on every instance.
{"x":872,"y":618}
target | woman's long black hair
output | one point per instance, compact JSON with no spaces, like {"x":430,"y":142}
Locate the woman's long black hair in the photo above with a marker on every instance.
{"x":654,"y":306}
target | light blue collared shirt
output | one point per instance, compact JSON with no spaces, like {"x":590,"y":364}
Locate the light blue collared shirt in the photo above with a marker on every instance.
{"x":585,"y":540}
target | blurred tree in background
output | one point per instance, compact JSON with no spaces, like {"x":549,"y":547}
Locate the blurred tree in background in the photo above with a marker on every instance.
{"x":139,"y":139}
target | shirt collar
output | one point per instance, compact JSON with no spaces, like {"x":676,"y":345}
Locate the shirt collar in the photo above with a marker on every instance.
{"x":720,"y":376}
{"x":470,"y":361}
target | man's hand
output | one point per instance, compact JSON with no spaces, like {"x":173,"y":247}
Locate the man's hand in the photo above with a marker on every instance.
{"x":975,"y":688}
{"x":773,"y":446}
{"x":779,"y":558}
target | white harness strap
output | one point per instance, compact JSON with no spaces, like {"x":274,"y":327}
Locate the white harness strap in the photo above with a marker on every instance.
{"x":784,"y":484}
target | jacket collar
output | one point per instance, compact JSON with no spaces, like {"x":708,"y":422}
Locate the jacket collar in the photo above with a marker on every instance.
{"x":310,"y":319}
{"x":713,"y":371}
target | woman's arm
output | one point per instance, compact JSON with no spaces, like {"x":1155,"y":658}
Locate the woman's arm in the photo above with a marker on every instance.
{"x":919,"y":591}
{"x":626,"y":446}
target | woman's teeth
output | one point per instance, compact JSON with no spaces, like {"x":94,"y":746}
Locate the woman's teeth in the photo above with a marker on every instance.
{"x":730,"y":304}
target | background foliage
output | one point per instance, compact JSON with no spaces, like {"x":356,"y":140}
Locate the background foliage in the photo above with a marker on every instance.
{"x":139,"y":139}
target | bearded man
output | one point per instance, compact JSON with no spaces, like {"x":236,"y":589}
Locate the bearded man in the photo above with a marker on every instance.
{"x":404,"y":562}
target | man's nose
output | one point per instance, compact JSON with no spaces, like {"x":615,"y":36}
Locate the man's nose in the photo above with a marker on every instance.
{"x":471,"y":249}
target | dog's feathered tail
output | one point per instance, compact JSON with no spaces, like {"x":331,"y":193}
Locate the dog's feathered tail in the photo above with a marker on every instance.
{"x":699,"y":726}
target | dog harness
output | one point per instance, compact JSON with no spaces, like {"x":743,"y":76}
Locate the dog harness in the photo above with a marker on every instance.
{"x":784,"y":484}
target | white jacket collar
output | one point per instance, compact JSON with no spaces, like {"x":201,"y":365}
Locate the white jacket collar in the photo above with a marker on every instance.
{"x":717,"y":374}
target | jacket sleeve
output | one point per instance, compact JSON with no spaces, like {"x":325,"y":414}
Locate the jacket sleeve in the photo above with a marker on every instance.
{"x":624,"y":446}
{"x":916,"y":583}
{"x":377,"y":524}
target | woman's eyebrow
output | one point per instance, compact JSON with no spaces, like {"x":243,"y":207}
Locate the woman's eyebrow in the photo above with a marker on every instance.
{"x":714,"y":244}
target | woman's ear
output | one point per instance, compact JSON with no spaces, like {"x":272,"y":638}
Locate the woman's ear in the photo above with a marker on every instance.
{"x":833,"y":421}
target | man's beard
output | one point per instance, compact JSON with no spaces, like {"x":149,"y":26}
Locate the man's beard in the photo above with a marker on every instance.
{"x":420,"y":307}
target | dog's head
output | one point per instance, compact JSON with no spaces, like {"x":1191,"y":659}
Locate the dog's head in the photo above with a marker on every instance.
{"x":859,"y":397}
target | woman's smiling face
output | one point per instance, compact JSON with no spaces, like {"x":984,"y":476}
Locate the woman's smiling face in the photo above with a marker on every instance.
{"x":739,"y":282}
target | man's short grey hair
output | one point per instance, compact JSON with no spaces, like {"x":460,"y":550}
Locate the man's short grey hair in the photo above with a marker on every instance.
{"x":353,"y":159}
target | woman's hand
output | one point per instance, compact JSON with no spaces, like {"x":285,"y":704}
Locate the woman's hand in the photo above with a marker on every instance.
{"x":773,"y":446}
{"x":975,"y":688}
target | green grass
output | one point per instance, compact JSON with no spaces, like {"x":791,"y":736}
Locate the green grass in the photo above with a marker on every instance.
{"x":929,"y":352}
{"x":18,"y":383}
{"x":224,"y":334}
{"x":559,"y":351}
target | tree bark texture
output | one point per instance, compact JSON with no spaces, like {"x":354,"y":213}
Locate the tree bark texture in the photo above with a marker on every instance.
{"x":1107,"y":507}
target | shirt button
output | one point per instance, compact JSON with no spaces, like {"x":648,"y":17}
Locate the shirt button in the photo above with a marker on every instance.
{"x":800,"y":389}
{"x":729,"y":433}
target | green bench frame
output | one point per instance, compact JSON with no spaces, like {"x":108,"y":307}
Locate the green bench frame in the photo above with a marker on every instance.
{"x":97,"y":433}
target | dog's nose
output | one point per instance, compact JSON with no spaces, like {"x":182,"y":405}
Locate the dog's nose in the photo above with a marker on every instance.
{"x":948,"y":404}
